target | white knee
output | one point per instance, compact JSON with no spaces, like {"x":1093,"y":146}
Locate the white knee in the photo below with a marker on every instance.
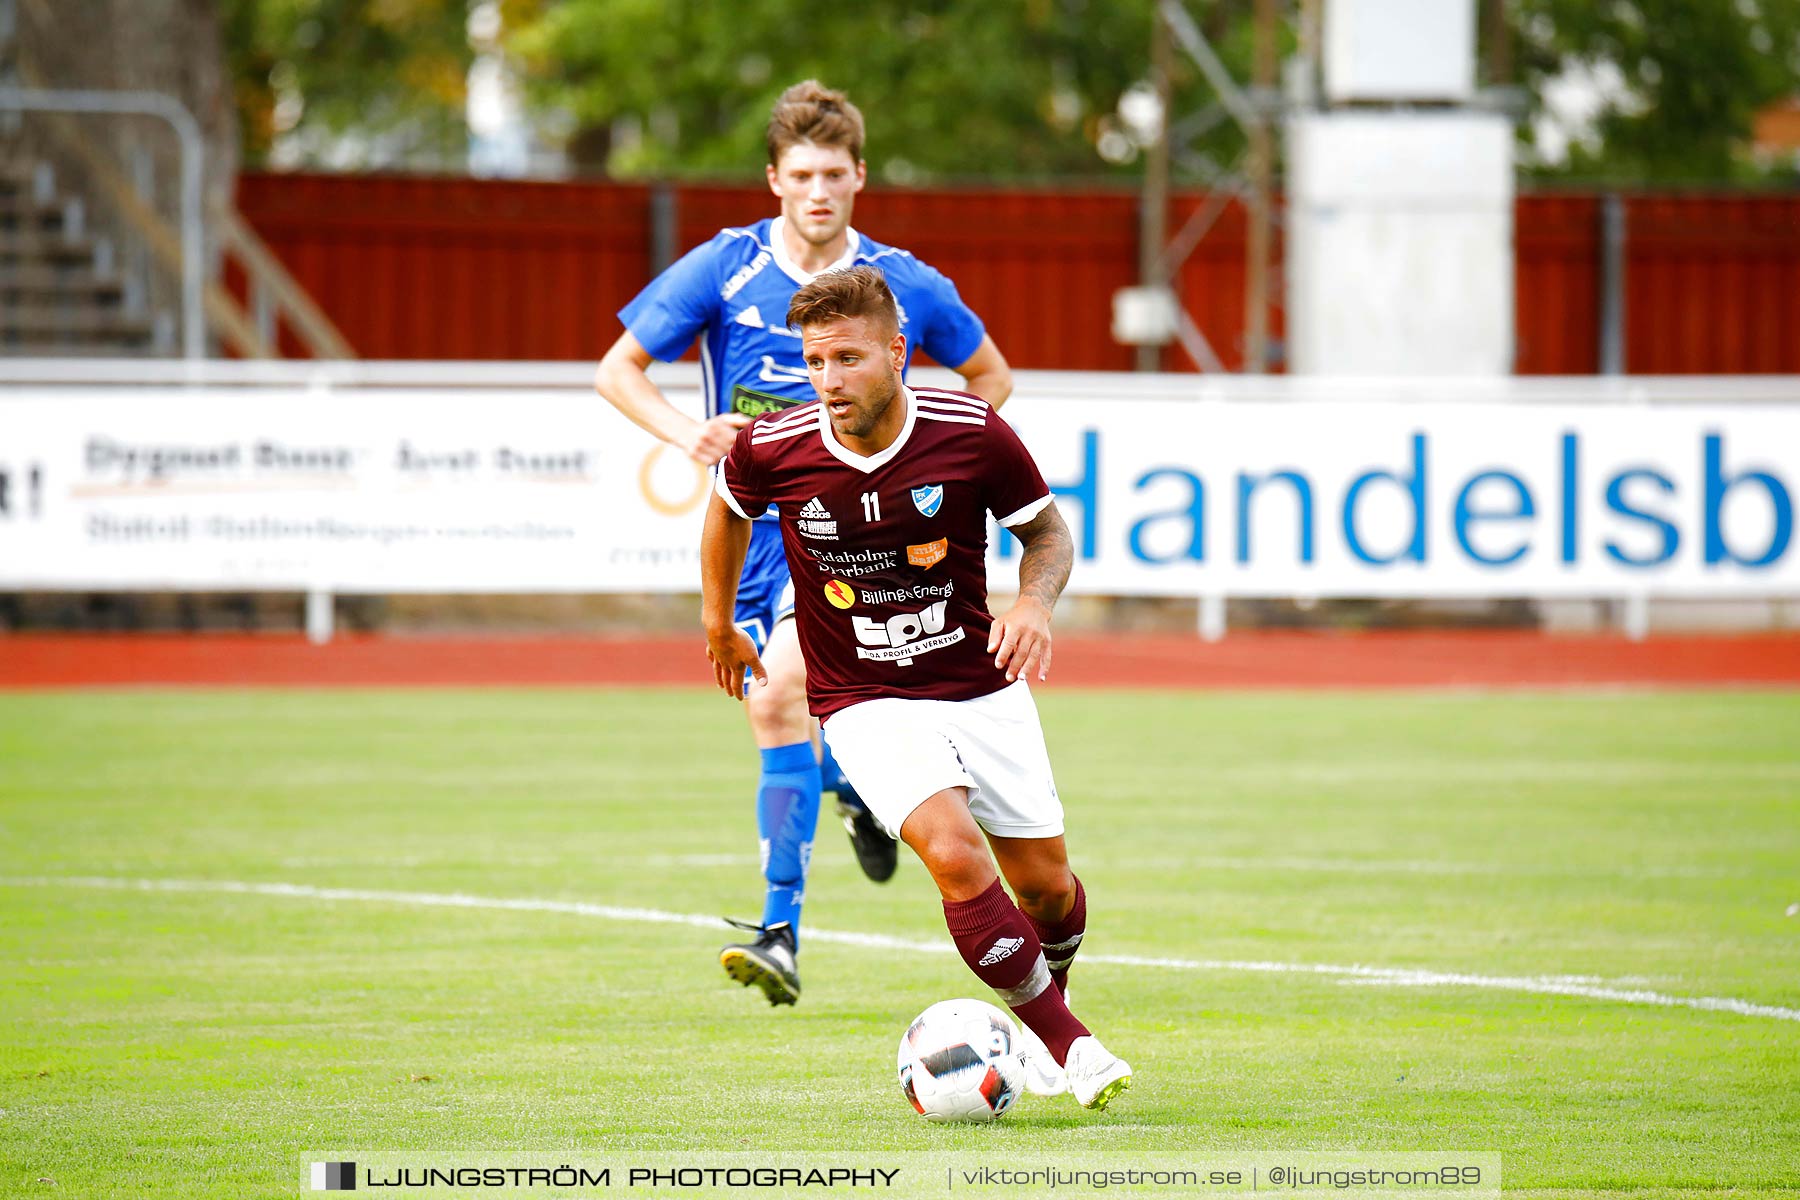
{"x":777,"y":710}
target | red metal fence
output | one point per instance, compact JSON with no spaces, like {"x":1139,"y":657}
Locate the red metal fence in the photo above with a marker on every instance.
{"x":415,"y":267}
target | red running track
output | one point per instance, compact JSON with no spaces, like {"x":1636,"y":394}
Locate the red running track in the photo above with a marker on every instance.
{"x":1243,"y":660}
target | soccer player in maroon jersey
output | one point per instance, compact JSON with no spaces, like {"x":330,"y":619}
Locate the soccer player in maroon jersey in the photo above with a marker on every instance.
{"x":884,"y":493}
{"x":731,"y":293}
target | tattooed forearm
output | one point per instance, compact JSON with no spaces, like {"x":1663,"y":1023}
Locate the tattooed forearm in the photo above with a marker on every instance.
{"x":1049,"y":554}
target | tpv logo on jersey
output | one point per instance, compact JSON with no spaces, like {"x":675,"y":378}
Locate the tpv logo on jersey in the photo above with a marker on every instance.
{"x":841,"y":594}
{"x":815,"y":521}
{"x":1001,"y":950}
{"x":928,"y":499}
{"x":905,"y":637}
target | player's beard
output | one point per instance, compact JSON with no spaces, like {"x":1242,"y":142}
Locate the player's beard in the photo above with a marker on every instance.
{"x":866,"y":414}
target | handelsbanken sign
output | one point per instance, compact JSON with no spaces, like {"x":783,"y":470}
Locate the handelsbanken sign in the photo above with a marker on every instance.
{"x":1377,"y":499}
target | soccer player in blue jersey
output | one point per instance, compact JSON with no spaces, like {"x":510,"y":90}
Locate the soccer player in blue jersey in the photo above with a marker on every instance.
{"x":732,"y":293}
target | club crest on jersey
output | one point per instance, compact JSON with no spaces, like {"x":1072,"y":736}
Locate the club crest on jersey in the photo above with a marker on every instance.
{"x":928,"y":499}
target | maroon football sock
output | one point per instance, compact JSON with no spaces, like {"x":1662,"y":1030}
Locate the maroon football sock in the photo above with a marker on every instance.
{"x":1001,"y":947}
{"x":1061,"y":939}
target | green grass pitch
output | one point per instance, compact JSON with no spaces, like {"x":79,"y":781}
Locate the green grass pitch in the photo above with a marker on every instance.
{"x":187,"y":1043}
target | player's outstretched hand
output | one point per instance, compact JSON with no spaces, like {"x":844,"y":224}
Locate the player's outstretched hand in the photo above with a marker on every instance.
{"x":1020,"y":641}
{"x":731,"y":653}
{"x":713,"y":438}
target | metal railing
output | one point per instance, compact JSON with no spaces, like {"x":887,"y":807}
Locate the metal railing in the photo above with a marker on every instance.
{"x":204,"y":304}
{"x":192,"y":244}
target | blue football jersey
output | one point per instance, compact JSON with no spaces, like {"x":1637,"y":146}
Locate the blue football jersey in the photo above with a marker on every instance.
{"x":733,"y":293}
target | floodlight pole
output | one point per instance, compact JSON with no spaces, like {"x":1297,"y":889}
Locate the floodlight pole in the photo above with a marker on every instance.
{"x":1262,"y":177}
{"x":1153,"y":271}
{"x":193,"y":158}
{"x":1499,"y":45}
{"x":1254,"y":113}
{"x":1612,"y":284}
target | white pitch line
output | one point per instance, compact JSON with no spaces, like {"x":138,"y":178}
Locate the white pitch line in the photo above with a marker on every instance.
{"x":1352,"y":866}
{"x":1542,"y":985}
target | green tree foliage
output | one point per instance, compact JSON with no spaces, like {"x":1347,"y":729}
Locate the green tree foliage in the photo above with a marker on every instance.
{"x":951,"y":89}
{"x":350,"y":82}
{"x":1690,"y":76}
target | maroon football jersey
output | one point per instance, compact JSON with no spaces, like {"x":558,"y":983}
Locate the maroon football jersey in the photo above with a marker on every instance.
{"x":889,"y":552}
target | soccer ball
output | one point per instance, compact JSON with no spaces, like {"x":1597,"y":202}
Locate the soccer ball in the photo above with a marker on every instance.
{"x":959,"y":1061}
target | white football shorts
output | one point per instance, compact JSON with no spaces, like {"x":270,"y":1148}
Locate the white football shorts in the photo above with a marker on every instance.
{"x":899,"y":752}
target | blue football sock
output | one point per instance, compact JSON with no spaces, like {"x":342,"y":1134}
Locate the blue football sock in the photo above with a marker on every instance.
{"x":833,"y":779}
{"x":787,"y":814}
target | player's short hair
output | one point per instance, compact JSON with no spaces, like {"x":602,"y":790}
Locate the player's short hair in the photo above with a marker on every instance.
{"x":839,"y":295}
{"x":811,"y":112}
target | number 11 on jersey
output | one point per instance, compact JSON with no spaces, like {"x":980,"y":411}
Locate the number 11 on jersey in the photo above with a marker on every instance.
{"x":871,"y":502}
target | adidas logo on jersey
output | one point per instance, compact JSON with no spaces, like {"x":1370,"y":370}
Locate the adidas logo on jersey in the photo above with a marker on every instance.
{"x":751,"y":317}
{"x":1001,"y":950}
{"x":816,"y":522}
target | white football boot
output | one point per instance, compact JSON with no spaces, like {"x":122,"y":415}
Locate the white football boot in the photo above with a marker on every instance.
{"x":1042,"y":1076}
{"x":1096,"y":1075}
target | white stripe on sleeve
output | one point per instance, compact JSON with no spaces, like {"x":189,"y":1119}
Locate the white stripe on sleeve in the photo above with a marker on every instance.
{"x":731,"y":502}
{"x":1019,"y":518}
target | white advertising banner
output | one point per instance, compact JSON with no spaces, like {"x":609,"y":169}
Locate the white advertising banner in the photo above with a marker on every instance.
{"x":348,"y":490}
{"x":475,"y":489}
{"x":1367,"y":498}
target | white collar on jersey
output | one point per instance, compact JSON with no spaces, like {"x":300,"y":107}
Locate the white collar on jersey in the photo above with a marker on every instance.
{"x":778,"y":248}
{"x":868,"y":464}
